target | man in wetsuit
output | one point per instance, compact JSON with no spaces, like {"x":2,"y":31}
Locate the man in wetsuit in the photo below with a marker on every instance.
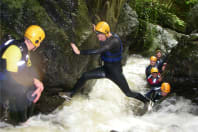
{"x":111,"y":55}
{"x":19,"y":85}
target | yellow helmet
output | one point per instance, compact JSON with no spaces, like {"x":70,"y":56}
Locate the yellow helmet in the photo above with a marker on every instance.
{"x":165,"y":87}
{"x":153,"y":58}
{"x":154,"y":69}
{"x":35,"y":34}
{"x":103,"y":27}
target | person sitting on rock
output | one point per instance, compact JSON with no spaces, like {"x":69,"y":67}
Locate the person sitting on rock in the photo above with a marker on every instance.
{"x":154,"y":79}
{"x":153,"y":60}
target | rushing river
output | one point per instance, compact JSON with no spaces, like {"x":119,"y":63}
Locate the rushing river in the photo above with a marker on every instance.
{"x":107,"y":108}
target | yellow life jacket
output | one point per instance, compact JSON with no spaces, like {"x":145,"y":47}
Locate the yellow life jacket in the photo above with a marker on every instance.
{"x":16,"y":56}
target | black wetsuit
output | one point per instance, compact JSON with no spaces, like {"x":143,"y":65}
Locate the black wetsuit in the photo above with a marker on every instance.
{"x":111,"y":54}
{"x":160,"y":63}
{"x":154,"y":94}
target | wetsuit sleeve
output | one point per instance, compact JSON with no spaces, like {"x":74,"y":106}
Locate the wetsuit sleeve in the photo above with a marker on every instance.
{"x":110,"y":44}
{"x":12,"y":55}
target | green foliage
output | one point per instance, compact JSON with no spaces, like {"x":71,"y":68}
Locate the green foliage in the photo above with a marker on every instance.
{"x":16,"y":4}
{"x":191,"y":2}
{"x":159,"y":12}
{"x":144,"y":44}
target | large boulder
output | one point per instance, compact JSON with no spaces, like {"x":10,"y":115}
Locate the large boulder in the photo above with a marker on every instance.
{"x":150,"y":37}
{"x":182,"y":71}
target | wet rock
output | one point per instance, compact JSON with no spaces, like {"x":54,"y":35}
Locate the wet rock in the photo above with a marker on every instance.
{"x":192,"y":24}
{"x":182,"y":70}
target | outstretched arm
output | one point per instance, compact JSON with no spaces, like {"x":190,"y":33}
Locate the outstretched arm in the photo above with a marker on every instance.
{"x":111,"y":44}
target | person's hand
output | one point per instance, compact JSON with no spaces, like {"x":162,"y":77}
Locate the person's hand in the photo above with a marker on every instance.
{"x":160,"y":79}
{"x":75,"y":48}
{"x":94,"y":27}
{"x":39,"y":89}
{"x":164,"y":66}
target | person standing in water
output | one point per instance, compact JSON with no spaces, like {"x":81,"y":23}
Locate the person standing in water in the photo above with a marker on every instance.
{"x":161,"y":61}
{"x":154,"y":79}
{"x":111,"y":54}
{"x":157,"y":93}
{"x":152,"y":64}
{"x":18,"y":81}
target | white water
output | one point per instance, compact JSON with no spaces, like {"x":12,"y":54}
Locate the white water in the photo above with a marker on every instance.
{"x":107,"y":108}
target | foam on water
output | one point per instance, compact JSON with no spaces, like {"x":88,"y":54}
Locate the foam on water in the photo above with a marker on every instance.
{"x":107,"y":108}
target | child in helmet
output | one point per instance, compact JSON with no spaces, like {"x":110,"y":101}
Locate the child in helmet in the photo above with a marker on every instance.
{"x":156,"y":93}
{"x":153,"y":60}
{"x":154,"y":79}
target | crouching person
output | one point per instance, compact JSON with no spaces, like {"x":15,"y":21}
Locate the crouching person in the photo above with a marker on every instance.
{"x":19,"y":86}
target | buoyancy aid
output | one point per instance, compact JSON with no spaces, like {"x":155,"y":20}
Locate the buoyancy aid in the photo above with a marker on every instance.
{"x":113,"y":57}
{"x":22,"y":63}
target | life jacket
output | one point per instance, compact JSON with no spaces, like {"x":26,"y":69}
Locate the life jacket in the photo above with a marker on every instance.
{"x":24,"y":62}
{"x":113,"y":57}
{"x":154,"y":81}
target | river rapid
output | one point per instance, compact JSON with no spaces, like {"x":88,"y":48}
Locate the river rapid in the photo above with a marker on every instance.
{"x":107,"y":109}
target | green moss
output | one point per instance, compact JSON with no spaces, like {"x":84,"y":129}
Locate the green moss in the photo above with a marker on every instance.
{"x":14,"y":4}
{"x":106,"y":10}
{"x":145,"y":44}
{"x":84,"y":27}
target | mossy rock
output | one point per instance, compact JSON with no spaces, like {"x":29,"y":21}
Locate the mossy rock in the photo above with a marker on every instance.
{"x":182,"y":70}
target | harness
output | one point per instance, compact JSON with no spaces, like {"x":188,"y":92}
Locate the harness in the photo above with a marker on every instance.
{"x":21,"y":64}
{"x":113,"y":57}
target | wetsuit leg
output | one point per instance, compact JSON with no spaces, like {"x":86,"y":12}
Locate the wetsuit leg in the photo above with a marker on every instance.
{"x":115,"y":74}
{"x":94,"y":74}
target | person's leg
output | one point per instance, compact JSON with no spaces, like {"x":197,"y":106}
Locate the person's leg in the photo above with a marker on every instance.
{"x":1,"y":99}
{"x":115,"y":74}
{"x":148,"y":94}
{"x":94,"y":74}
{"x":18,"y":100}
